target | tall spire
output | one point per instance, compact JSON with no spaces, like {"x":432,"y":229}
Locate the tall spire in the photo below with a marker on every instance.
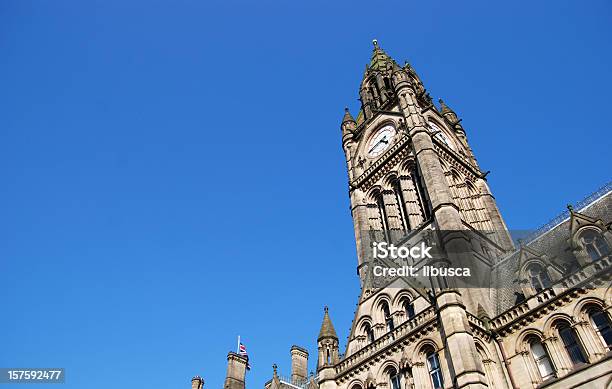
{"x":327,"y":328}
{"x":379,"y":57}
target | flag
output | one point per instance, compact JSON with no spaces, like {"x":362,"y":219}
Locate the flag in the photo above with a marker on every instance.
{"x":242,"y":351}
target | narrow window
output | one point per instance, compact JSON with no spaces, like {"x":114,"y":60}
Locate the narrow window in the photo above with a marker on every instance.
{"x":542,"y":359}
{"x":601,"y":323}
{"x":388,"y":318}
{"x":433,"y":363}
{"x":401,"y":204}
{"x":387,"y":83}
{"x":395,"y":379}
{"x":570,"y":342}
{"x":418,"y":184}
{"x":383,"y":212}
{"x":369,"y":333}
{"x":409,"y":308}
{"x":538,"y":277}
{"x":594,"y":244}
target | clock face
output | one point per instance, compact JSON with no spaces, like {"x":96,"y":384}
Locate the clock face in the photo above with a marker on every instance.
{"x":381,"y":141}
{"x":441,"y":136}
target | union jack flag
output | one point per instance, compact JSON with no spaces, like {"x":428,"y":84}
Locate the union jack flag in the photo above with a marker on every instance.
{"x":242,"y":351}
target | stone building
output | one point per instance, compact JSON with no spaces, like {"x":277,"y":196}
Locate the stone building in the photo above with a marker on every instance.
{"x":540,"y":318}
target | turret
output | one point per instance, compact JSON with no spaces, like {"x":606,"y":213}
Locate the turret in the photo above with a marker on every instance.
{"x":236,"y":370}
{"x":451,"y":117}
{"x":328,"y":353}
{"x":328,"y":342}
{"x":348,"y":125}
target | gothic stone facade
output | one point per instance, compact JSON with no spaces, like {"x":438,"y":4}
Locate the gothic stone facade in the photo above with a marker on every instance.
{"x":544,"y":319}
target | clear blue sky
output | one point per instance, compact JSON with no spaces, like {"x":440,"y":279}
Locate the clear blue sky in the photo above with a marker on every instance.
{"x":152,"y":153}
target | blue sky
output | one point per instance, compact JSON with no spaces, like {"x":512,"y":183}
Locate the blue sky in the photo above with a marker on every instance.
{"x":172,"y":174}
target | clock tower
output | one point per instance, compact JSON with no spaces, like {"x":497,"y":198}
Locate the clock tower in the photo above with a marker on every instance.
{"x":411,"y":169}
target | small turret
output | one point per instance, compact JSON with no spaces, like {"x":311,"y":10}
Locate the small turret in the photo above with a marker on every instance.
{"x":348,"y":126}
{"x":328,"y":342}
{"x":450,"y":115}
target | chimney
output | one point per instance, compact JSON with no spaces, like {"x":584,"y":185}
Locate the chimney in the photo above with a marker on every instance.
{"x":197,"y":382}
{"x":236,"y":370}
{"x":299,"y":364}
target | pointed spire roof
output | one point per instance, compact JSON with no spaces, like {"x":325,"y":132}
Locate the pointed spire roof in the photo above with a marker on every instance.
{"x":347,"y":116}
{"x":444,"y":108}
{"x":380,"y":58}
{"x":327,"y":328}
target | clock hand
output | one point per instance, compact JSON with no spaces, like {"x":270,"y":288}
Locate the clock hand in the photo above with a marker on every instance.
{"x":373,"y":147}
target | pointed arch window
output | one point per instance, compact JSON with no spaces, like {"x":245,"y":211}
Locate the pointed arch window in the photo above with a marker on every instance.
{"x":409,"y":309}
{"x":601,"y":322}
{"x":538,"y":277}
{"x":572,"y":345}
{"x":542,"y":359}
{"x":369,"y":332}
{"x":395,"y":380}
{"x":388,"y":317}
{"x":594,"y":244}
{"x":435,"y":373}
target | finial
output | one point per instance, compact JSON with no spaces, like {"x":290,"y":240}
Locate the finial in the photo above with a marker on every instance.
{"x":375,"y":42}
{"x":274,"y":367}
{"x":570,"y":207}
{"x":326,"y":309}
{"x":346,"y":109}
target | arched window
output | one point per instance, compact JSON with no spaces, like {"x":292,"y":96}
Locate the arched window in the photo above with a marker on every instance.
{"x":541,"y":358}
{"x":409,"y":309}
{"x":387,"y":83}
{"x":570,"y":342}
{"x":538,"y":277}
{"x":394,"y":379}
{"x":435,"y":373}
{"x":388,"y":317}
{"x":369,"y":332}
{"x":601,"y":323}
{"x":594,"y":244}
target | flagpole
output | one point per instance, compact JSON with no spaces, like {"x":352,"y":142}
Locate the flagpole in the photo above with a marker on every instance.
{"x":238,"y":346}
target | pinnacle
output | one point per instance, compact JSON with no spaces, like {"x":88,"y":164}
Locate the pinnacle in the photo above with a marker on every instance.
{"x":347,"y":116}
{"x":444,"y":108}
{"x":327,"y":328}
